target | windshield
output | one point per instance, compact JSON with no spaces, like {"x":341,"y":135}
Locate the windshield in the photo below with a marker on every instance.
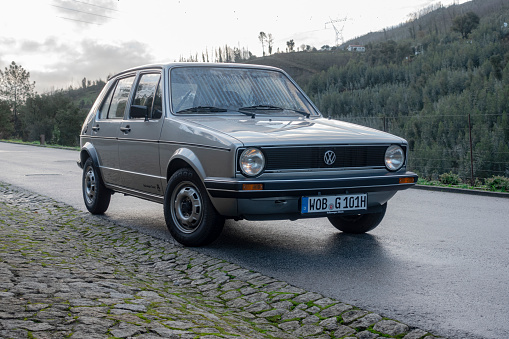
{"x":217,"y":90}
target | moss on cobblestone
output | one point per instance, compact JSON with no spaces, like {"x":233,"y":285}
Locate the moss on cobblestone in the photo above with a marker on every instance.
{"x":66,"y":273}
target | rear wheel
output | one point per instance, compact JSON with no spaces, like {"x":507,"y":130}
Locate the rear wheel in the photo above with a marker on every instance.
{"x":358,"y":224}
{"x":190,"y":216}
{"x":96,"y":196}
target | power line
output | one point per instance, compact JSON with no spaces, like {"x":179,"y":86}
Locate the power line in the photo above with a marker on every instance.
{"x":75,"y":10}
{"x":86,"y":3}
{"x":87,"y":22}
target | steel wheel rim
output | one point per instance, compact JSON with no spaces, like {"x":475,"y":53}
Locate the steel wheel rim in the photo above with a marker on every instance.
{"x":187,"y":207}
{"x":90,"y":185}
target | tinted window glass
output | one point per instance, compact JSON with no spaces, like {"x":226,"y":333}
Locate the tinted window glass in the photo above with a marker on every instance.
{"x":146,"y":90}
{"x":120,"y":97}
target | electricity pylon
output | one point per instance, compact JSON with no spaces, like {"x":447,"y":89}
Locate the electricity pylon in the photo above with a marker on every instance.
{"x":339,"y":31}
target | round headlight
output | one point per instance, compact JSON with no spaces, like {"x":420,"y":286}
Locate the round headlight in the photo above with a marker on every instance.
{"x":394,"y":158}
{"x":252,"y":162}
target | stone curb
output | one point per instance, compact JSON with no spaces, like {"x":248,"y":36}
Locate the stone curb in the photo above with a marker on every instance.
{"x":68,"y":274}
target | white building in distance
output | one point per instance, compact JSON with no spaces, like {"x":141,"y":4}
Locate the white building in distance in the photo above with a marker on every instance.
{"x":356,"y":48}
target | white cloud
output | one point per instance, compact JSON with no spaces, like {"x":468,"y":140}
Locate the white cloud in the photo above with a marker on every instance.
{"x":53,"y":41}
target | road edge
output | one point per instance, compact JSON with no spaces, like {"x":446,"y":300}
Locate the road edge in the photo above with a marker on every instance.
{"x":421,"y":187}
{"x":462,"y":191}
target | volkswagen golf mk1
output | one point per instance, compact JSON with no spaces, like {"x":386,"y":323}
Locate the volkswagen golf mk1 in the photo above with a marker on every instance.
{"x":230,"y":141}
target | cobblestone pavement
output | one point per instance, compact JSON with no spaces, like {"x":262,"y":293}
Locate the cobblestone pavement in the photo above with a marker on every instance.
{"x":65,"y":273}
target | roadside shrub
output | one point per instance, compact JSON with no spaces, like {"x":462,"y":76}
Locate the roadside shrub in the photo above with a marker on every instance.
{"x":478,"y":182}
{"x":449,"y":179}
{"x":498,"y":183}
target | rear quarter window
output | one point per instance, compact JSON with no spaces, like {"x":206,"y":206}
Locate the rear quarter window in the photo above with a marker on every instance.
{"x":105,"y":105}
{"x":120,"y":97}
{"x":115,"y":103}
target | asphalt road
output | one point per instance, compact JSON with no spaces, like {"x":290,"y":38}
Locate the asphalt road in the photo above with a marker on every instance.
{"x":438,"y":261}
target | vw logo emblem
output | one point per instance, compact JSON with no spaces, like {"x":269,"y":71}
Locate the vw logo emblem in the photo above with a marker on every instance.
{"x":329,"y":158}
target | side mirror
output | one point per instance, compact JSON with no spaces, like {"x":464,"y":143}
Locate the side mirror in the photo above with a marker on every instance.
{"x":138,"y":111}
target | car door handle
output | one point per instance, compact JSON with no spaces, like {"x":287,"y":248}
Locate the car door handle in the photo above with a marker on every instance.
{"x":95,"y":128}
{"x":126,"y":129}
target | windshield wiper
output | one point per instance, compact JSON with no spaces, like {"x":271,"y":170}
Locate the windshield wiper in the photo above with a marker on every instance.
{"x":248,"y":110}
{"x":271,"y":108}
{"x":262,"y":108}
{"x":203,"y":109}
{"x":306,"y":114}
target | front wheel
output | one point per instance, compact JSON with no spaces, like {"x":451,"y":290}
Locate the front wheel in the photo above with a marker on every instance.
{"x":358,"y":224}
{"x":190,"y":216}
{"x":96,"y":196}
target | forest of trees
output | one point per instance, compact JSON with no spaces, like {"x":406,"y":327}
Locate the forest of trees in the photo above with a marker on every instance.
{"x":426,"y":90}
{"x":54,"y":117}
{"x":442,"y":83}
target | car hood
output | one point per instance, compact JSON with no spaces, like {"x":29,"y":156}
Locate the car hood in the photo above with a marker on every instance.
{"x":293,"y":131}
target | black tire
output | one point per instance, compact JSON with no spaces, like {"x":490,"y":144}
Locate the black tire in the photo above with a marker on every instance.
{"x":96,"y":196}
{"x":190,"y":216}
{"x":359,"y":223}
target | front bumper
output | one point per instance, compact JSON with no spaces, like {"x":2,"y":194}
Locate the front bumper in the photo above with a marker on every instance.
{"x":281,"y":199}
{"x":298,"y":187}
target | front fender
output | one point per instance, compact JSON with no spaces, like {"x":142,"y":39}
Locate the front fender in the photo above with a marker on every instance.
{"x":189,"y":157}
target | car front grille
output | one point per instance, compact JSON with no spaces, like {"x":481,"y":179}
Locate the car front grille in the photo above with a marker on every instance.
{"x":302,"y":158}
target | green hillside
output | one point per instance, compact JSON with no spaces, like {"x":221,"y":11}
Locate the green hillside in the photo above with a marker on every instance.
{"x":303,"y":65}
{"x":85,"y":97}
{"x":424,"y":86}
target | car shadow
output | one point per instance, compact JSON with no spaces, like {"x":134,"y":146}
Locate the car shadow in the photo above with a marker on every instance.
{"x":279,"y":247}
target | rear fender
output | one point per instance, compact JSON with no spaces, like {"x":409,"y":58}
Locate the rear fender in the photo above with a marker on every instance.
{"x":88,"y":151}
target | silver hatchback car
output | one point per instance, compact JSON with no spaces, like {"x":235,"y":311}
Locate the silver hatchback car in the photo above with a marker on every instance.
{"x":230,"y":141}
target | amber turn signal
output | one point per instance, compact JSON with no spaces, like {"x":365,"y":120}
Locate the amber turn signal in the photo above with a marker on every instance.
{"x":252,"y":187}
{"x":406,"y":180}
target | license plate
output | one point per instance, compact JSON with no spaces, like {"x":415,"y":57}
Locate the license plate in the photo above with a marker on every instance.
{"x":334,"y":203}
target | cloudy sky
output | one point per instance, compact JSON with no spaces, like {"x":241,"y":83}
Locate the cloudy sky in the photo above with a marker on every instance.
{"x":61,"y":41}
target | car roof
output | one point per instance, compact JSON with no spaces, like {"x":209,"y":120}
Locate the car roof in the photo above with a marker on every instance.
{"x":192,"y":64}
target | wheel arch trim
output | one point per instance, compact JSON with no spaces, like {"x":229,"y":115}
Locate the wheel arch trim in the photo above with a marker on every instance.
{"x":188,"y":157}
{"x":88,"y":151}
